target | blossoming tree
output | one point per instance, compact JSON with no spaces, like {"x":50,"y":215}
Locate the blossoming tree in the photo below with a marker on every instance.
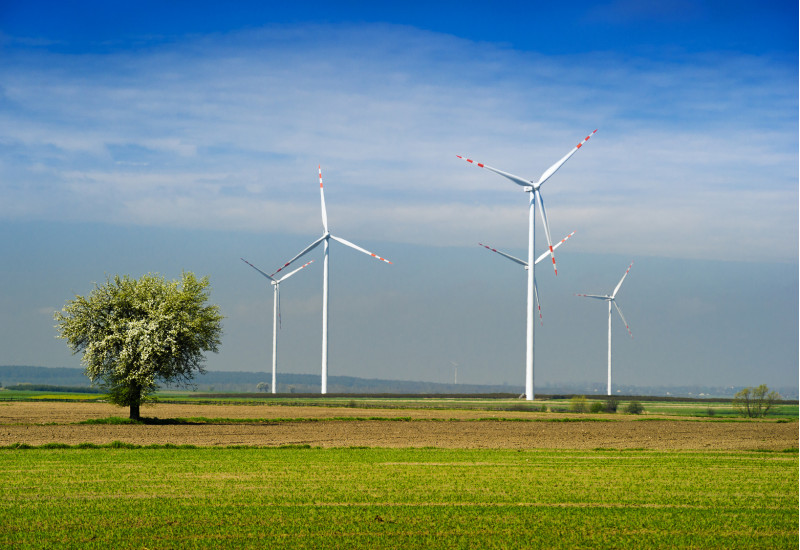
{"x":134,"y":333}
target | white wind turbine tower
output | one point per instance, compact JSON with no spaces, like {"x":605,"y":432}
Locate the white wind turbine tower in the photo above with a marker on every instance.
{"x":611,"y":300}
{"x":525,"y":265}
{"x":276,"y":311}
{"x":325,"y":239}
{"x":533,"y":188}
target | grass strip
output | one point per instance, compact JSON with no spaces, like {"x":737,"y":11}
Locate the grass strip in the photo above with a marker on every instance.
{"x":114,"y":420}
{"x":201,"y":420}
{"x":156,"y":446}
{"x":123,"y":445}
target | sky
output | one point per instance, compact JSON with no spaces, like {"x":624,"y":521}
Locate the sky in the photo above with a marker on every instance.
{"x":141,"y":137}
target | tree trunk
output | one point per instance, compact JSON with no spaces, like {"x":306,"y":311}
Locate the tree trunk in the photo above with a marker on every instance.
{"x":135,"y":397}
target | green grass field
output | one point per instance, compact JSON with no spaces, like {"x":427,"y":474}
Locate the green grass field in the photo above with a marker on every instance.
{"x":118,"y":497}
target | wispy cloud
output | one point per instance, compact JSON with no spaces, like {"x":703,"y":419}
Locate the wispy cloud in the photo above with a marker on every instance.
{"x":695,"y":158}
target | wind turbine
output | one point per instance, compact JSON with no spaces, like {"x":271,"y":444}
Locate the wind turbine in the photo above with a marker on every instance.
{"x":325,"y":240}
{"x":611,"y":300}
{"x":276,"y":312}
{"x":533,"y":188}
{"x":525,"y":264}
{"x":455,"y":372}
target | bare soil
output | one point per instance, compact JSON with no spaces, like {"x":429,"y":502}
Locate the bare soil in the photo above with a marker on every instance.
{"x":36,"y":423}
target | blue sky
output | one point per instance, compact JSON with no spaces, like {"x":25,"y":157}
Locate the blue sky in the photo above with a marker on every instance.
{"x":138,"y":137}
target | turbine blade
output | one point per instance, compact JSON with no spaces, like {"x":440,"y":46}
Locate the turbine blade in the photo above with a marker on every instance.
{"x":306,"y":250}
{"x":552,"y":170}
{"x":254,"y":267}
{"x":351,"y":245}
{"x":538,"y":303}
{"x":295,"y":271}
{"x":622,"y":317}
{"x":559,"y":243}
{"x":596,"y":296}
{"x":619,"y":284}
{"x":516,"y":179}
{"x":509,"y":256}
{"x":322,"y":200}
{"x":543,"y":213}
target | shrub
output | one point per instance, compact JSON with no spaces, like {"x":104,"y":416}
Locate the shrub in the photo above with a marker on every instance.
{"x":598,"y":407}
{"x":525,"y":407}
{"x":634,"y":407}
{"x":578,"y":404}
{"x":755,"y":402}
{"x":611,"y":404}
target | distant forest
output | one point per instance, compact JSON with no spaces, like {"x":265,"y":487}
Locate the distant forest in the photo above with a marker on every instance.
{"x":243,"y":382}
{"x":236,"y":382}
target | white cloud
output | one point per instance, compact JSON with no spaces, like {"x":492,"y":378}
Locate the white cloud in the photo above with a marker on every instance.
{"x":694,"y":158}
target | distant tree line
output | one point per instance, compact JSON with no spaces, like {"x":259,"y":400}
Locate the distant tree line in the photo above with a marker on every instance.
{"x":52,"y":388}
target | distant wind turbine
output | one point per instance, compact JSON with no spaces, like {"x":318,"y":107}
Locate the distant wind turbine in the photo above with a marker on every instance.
{"x":276,"y":313}
{"x":325,"y":238}
{"x":533,"y":188}
{"x":525,"y":264}
{"x":455,"y":372}
{"x":611,"y":300}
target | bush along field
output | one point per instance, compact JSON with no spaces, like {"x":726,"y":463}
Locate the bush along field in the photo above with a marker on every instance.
{"x":124,"y":496}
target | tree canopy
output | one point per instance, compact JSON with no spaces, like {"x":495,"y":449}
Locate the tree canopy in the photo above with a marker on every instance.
{"x":136,"y":332}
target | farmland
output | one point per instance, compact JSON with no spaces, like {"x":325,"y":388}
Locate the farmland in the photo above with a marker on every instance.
{"x":343,"y":475}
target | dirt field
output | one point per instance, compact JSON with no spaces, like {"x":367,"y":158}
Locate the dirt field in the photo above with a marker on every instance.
{"x":36,"y":423}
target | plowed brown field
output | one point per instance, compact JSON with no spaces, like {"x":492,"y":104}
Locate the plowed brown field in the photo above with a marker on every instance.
{"x":36,"y":423}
